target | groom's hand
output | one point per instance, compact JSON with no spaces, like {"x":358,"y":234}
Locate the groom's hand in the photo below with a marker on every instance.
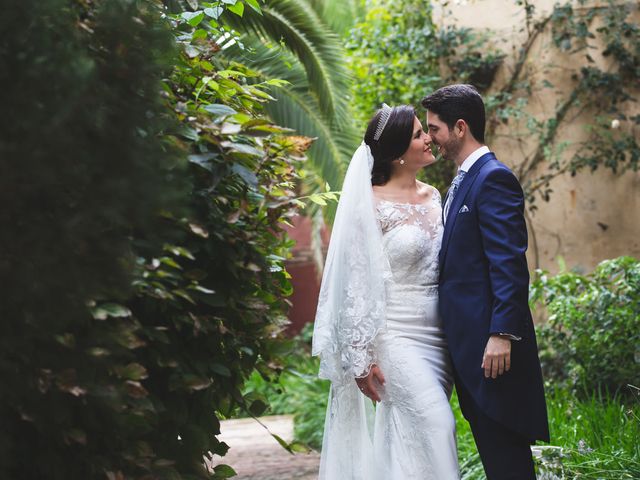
{"x":497,"y":356}
{"x":367,"y":385}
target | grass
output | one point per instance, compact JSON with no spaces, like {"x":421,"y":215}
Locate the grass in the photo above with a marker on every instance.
{"x":470,"y":465}
{"x":599,"y":438}
{"x":599,"y":435}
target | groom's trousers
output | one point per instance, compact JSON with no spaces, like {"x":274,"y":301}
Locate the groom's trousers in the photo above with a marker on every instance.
{"x":505,"y":454}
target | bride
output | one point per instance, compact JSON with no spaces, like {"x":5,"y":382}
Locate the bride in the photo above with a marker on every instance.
{"x":377,"y":329}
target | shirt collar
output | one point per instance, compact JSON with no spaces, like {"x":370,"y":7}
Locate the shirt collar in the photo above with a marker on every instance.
{"x":473,"y":158}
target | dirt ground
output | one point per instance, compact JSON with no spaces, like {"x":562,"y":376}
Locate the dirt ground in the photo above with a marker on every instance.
{"x":255,"y":455}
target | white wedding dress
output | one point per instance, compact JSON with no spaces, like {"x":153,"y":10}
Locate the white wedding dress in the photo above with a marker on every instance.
{"x":414,"y":432}
{"x":378,"y":304}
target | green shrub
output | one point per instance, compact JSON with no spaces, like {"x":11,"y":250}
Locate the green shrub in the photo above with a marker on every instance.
{"x":592,"y":337}
{"x":80,"y":163}
{"x":393,"y":56}
{"x":393,"y":59}
{"x":143,"y":270}
{"x":82,"y":171}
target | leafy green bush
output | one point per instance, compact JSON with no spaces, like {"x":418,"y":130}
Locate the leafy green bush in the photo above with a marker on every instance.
{"x":82,"y":171}
{"x":392,"y":55}
{"x":143,"y":270}
{"x":80,"y":162}
{"x":393,"y":59}
{"x":592,"y":336}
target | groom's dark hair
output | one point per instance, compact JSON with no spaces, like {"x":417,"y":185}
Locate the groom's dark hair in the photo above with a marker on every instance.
{"x":455,"y":102}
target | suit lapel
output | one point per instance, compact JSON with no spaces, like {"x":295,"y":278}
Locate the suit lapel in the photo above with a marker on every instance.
{"x":458,"y":201}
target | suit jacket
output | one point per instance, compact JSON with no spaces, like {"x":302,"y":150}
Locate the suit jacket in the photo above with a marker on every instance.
{"x":484,"y":289}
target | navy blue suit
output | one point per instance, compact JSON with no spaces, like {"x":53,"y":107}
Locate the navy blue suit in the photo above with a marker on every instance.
{"x":484,"y":281}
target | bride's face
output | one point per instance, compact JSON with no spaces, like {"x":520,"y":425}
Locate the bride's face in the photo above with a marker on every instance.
{"x":419,"y":152}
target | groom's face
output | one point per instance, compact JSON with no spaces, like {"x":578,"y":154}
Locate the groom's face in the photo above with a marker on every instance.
{"x":448,"y":144}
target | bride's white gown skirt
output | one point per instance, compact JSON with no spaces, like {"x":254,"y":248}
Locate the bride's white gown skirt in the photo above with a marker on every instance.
{"x":414,"y":431}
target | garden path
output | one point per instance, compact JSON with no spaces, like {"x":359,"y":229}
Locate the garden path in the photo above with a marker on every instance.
{"x":255,"y":455}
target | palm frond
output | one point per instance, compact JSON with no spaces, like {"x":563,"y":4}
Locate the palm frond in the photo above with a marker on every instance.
{"x":332,"y":148}
{"x":317,"y":48}
{"x":296,"y":108}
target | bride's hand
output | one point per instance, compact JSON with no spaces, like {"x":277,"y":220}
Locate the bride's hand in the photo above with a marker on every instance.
{"x":367,"y":385}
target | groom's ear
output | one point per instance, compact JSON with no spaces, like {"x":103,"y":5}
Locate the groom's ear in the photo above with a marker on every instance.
{"x":460,"y":128}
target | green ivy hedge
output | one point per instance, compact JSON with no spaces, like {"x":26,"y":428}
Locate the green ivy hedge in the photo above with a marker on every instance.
{"x":143,"y":194}
{"x":591,"y":340}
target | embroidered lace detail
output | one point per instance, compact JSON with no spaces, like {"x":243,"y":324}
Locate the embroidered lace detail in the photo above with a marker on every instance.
{"x":412,"y":234}
{"x":357,"y":311}
{"x":361,"y":314}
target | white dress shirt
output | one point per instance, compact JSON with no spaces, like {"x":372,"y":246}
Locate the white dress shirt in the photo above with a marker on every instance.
{"x":473,"y":158}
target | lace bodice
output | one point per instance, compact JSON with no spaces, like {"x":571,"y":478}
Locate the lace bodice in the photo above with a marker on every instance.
{"x":412,"y":234}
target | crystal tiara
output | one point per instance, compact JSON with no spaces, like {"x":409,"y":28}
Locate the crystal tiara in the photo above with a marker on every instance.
{"x":384,"y":118}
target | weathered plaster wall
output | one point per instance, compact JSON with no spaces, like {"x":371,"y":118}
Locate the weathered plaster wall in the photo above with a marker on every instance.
{"x":590,"y":217}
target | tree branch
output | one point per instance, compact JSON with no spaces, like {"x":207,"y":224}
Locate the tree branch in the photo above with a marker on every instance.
{"x":549,"y":136}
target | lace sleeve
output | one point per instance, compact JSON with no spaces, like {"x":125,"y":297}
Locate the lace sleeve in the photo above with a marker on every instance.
{"x":359,"y":307}
{"x":351,"y":306}
{"x":359,"y":314}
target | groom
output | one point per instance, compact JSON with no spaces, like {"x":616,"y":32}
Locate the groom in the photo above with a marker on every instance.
{"x":484,"y":282}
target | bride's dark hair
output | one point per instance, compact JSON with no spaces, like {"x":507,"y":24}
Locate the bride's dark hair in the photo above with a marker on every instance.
{"x":393,"y":142}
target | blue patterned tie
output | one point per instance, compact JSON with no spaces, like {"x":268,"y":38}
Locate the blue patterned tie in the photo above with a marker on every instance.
{"x":455,"y":184}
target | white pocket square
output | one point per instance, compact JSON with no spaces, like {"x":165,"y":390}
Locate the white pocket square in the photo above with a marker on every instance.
{"x":463,"y":209}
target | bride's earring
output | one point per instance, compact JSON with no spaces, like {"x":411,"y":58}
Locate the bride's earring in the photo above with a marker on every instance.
{"x":401,"y":161}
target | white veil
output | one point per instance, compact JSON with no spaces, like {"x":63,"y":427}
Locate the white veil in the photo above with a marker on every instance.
{"x":350,"y":315}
